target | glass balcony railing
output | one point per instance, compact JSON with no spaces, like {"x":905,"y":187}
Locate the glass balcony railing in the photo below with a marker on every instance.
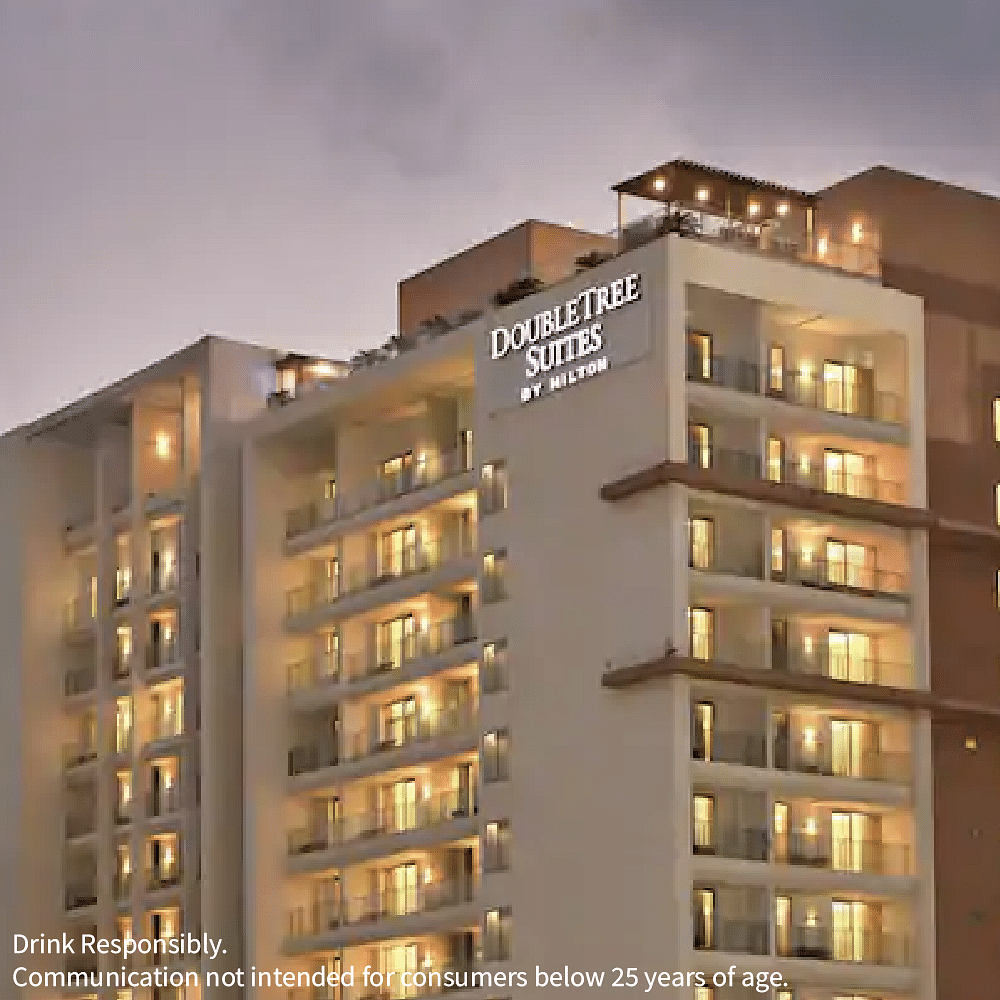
{"x":797,"y":471}
{"x":394,"y":819}
{"x":822,"y":661}
{"x":80,"y":680}
{"x":79,"y":753}
{"x":407,"y":562}
{"x":163,"y":578}
{"x":394,"y":734}
{"x":741,"y":937}
{"x":163,"y":654}
{"x":852,"y":944}
{"x":164,"y":875}
{"x":378,"y":907}
{"x":801,"y":848}
{"x":420,"y":475}
{"x":79,"y":897}
{"x":78,"y":614}
{"x":163,"y":802}
{"x":168,"y":724}
{"x":805,"y":389}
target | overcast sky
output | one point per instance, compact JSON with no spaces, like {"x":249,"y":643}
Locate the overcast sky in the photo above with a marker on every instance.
{"x":270,"y":168}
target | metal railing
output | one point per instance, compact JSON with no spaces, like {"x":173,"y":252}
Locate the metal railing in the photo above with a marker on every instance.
{"x":394,"y":734}
{"x":163,"y":580}
{"x":842,"y":575}
{"x":378,"y":907}
{"x":121,"y":666}
{"x":822,"y":662}
{"x":79,"y":897}
{"x":164,"y":876}
{"x":737,"y":843}
{"x":796,"y":471}
{"x":390,"y":821}
{"x":435,"y":469}
{"x":818,"y":758}
{"x":427,"y":555}
{"x":168,"y":726}
{"x":77,"y":754}
{"x":724,"y":372}
{"x":816,"y":393}
{"x":870,"y":947}
{"x":80,"y":680}
{"x":743,"y":937}
{"x":164,"y":802}
{"x":163,"y":654}
{"x":78,"y":614}
{"x":746,"y":748}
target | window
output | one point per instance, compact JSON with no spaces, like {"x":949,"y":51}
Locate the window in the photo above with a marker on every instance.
{"x":398,"y":552}
{"x":123,"y":796}
{"x":847,"y":739}
{"x":400,"y":721}
{"x":841,"y":388}
{"x":851,"y":836}
{"x":704,"y":919}
{"x":702,"y":725}
{"x":704,"y":993}
{"x":496,"y":756}
{"x":777,"y":552}
{"x":494,"y":576}
{"x":121,"y":663}
{"x":776,"y":370}
{"x":851,"y":926}
{"x":496,"y":846}
{"x":996,"y":419}
{"x":703,"y":815}
{"x":783,"y":925}
{"x":465,"y":449}
{"x":496,"y":935}
{"x":494,"y":666}
{"x":700,"y":356}
{"x":971,"y":744}
{"x":396,"y":474}
{"x":775,"y":459}
{"x":701,"y":532}
{"x":701,"y":623}
{"x":846,"y":565}
{"x":844,"y":472}
{"x":493,"y":492}
{"x":123,"y":570}
{"x":996,"y":504}
{"x":394,"y":638}
{"x":399,"y":889}
{"x":700,"y":445}
{"x":123,"y":725}
{"x":850,"y":657}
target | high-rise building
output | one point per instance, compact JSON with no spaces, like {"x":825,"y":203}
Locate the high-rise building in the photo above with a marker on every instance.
{"x":631,"y":615}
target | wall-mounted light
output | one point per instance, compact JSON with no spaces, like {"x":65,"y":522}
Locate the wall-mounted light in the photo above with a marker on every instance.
{"x":821,"y":246}
{"x":857,"y":232}
{"x":660,"y":184}
{"x":752,"y":208}
{"x":783,"y":208}
{"x":162,"y":445}
{"x":702,"y":194}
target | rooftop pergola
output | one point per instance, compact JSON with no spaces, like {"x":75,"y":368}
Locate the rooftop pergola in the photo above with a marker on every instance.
{"x":689,"y":186}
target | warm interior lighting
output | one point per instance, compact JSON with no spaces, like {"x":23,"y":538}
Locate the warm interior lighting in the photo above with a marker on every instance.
{"x":323,"y":369}
{"x":810,"y":826}
{"x":806,"y":370}
{"x":807,"y":554}
{"x":857,"y":232}
{"x":783,"y":208}
{"x":162,"y":445}
{"x":659,"y":184}
{"x":702,"y":194}
{"x":804,"y":464}
{"x":809,"y":737}
{"x":821,"y":246}
{"x":811,"y":918}
{"x":807,"y":645}
{"x":971,"y":743}
{"x":753,"y":208}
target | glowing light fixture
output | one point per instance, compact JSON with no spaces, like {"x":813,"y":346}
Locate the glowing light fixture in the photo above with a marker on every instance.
{"x":857,"y":232}
{"x":809,"y":738}
{"x":162,"y":445}
{"x":822,"y":245}
{"x":702,"y":194}
{"x":659,"y":184}
{"x":783,"y":208}
{"x":753,"y":208}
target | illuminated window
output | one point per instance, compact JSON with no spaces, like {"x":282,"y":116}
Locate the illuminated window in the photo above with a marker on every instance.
{"x":700,"y":356}
{"x":494,"y":576}
{"x":494,"y":677}
{"x":996,"y":419}
{"x":702,"y":724}
{"x":496,"y":846}
{"x":496,"y":935}
{"x":704,"y":919}
{"x":777,"y":552}
{"x":496,"y":754}
{"x":996,"y":503}
{"x":700,"y":445}
{"x":701,"y":622}
{"x":971,"y":743}
{"x":493,"y":492}
{"x":704,"y":993}
{"x":775,"y":459}
{"x":776,"y":370}
{"x":701,"y":542}
{"x":162,"y":445}
{"x":703,"y":811}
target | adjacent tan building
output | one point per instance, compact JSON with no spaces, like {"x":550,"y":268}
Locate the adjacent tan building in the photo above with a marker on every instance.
{"x":611,"y":627}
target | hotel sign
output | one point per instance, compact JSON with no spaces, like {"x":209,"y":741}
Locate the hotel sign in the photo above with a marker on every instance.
{"x":566,"y":344}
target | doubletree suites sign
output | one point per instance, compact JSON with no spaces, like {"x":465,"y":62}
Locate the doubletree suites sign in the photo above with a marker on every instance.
{"x":566,"y":344}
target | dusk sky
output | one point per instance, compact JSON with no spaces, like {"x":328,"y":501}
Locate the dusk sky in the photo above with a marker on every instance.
{"x":269,"y":169}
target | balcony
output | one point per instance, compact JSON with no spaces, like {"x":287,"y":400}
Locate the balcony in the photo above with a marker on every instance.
{"x":397,"y":735}
{"x":827,"y":944}
{"x":837,"y":664}
{"x":800,"y":848}
{"x":394,"y":821}
{"x":121,"y":666}
{"x":122,"y":887}
{"x":377,"y":914}
{"x":168,"y":724}
{"x":164,"y":803}
{"x":80,"y":897}
{"x":79,"y":754}
{"x":843,"y":576}
{"x":79,"y":680}
{"x":748,"y":749}
{"x":799,"y":471}
{"x":80,"y":825}
{"x":164,"y":876}
{"x":164,"y":656}
{"x":411,"y":562}
{"x":327,"y":511}
{"x":163,"y":579}
{"x":795,"y":388}
{"x":740,"y":937}
{"x":78,"y":619}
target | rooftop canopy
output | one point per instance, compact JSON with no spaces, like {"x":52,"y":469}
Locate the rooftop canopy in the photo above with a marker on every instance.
{"x":719,"y":192}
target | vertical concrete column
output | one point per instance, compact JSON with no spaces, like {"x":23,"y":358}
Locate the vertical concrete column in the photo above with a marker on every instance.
{"x":679,"y":847}
{"x":925,"y":944}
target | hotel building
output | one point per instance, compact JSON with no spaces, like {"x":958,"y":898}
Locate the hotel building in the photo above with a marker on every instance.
{"x":607,"y":622}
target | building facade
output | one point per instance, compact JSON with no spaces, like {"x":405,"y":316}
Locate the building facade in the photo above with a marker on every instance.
{"x":608,"y":625}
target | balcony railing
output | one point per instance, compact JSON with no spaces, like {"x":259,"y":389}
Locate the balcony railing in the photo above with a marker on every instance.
{"x":810,"y":391}
{"x":746,"y":748}
{"x":121,"y":666}
{"x":420,"y":476}
{"x":164,"y":802}
{"x":797,"y":471}
{"x":80,"y":825}
{"x":80,"y":896}
{"x":743,"y":937}
{"x":436,"y":638}
{"x":80,"y":680}
{"x":164,"y":876}
{"x":395,"y":734}
{"x":871,"y":947}
{"x":378,"y":907}
{"x":122,"y":887}
{"x":163,"y":654}
{"x":393,"y":820}
{"x":835,"y":574}
{"x":162,"y":580}
{"x":835,"y":664}
{"x":168,"y":726}
{"x":411,"y":561}
{"x":818,"y":757}
{"x":77,"y":754}
{"x":803,"y":849}
{"x":78,"y":614}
